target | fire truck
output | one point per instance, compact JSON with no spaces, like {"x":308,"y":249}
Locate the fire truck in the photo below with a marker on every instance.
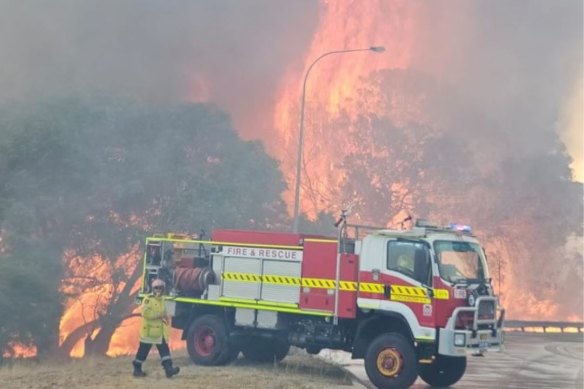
{"x":411,"y":303}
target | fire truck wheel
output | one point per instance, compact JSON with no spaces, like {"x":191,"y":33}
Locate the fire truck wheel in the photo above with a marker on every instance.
{"x":281,"y":350}
{"x":390,"y":361}
{"x":265,"y":350}
{"x":313,"y":350}
{"x":208,"y":342}
{"x":445,"y":371}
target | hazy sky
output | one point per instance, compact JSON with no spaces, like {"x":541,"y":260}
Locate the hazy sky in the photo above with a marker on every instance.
{"x":520,"y":60}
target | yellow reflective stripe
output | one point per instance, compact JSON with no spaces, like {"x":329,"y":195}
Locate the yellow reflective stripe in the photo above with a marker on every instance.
{"x":350,"y":286}
{"x":241,"y":277}
{"x":321,"y":240}
{"x":411,"y":291}
{"x":370,"y":287}
{"x":274,"y":279}
{"x":281,"y":280}
{"x":441,"y":294}
{"x":318,"y":283}
{"x":251,"y":304}
{"x":410,"y":299}
{"x":398,"y":292}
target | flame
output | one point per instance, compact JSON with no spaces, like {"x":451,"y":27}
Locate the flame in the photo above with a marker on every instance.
{"x":332,"y":86}
{"x":18,"y":350}
{"x":337,"y":93}
{"x":335,"y":87}
{"x":93,"y":289}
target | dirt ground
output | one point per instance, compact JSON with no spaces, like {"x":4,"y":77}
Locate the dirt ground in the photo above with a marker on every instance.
{"x":296,"y":371}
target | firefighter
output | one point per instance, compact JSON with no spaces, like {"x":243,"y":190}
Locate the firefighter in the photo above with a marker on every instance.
{"x":154,"y":330}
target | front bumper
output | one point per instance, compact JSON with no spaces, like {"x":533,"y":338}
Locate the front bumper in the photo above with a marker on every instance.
{"x":484,"y":335}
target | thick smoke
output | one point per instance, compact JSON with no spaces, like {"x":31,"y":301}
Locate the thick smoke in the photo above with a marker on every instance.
{"x":228,"y":51}
{"x":502,"y":70}
{"x":516,"y":60}
{"x":513,"y":61}
{"x":505,"y":73}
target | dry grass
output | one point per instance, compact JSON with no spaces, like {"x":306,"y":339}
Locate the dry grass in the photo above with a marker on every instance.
{"x":296,"y":371}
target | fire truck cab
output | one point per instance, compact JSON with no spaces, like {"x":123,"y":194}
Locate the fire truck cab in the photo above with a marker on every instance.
{"x":409,"y":302}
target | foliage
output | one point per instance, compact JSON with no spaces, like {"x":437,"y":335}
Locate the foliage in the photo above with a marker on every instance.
{"x":432,"y":155}
{"x":83,"y":180}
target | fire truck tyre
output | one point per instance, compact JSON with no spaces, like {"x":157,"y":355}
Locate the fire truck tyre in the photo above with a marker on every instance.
{"x":208,"y":342}
{"x":313,"y":350}
{"x":445,"y":371}
{"x":281,"y":350}
{"x":390,"y":361}
{"x":265,"y":350}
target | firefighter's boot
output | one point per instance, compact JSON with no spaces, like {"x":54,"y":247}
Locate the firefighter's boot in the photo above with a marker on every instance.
{"x":138,"y":369}
{"x":169,"y":369}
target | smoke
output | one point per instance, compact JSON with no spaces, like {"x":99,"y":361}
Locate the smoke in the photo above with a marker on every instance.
{"x":512,"y":62}
{"x":507,"y":78}
{"x":501,"y":75}
{"x":230,"y":52}
{"x":570,"y":126}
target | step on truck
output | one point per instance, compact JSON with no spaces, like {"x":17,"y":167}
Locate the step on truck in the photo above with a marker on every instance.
{"x":411,"y":303}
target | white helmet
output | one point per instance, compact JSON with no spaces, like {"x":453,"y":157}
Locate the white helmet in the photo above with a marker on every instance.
{"x":158,"y":283}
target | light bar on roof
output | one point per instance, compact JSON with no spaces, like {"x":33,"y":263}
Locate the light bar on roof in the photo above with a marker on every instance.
{"x":460,"y":227}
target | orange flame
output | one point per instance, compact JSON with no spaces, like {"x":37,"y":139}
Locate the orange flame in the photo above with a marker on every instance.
{"x":332,"y":90}
{"x":332,"y":86}
{"x":17,"y":350}
{"x":336,"y":87}
{"x":94,"y":292}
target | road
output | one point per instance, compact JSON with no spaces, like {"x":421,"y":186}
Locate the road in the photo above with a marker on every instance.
{"x":529,"y":361}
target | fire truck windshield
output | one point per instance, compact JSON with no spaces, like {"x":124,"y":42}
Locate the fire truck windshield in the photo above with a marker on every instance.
{"x":460,"y":261}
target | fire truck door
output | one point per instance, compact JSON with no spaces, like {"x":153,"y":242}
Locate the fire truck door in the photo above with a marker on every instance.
{"x":407,"y":277}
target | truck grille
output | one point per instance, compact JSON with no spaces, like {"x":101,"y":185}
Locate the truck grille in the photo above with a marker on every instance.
{"x":464,"y":321}
{"x":487,"y":310}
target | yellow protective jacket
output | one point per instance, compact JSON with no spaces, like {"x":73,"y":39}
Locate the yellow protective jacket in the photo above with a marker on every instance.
{"x":154,"y":328}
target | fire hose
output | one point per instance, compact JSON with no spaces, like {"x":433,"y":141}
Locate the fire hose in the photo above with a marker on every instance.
{"x":193,"y":281}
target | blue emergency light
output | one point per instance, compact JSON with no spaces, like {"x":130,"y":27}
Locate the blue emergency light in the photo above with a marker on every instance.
{"x":460,"y":227}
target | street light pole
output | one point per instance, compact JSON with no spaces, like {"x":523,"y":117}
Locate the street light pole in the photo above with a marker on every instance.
{"x":375,"y":49}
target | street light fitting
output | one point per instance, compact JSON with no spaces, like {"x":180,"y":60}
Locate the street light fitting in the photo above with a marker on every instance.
{"x":375,"y":49}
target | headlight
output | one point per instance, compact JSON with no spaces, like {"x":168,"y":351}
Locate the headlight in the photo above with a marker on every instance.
{"x":471,"y":299}
{"x":459,"y":340}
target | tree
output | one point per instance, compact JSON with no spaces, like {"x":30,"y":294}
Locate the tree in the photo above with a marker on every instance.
{"x":95,"y":176}
{"x":40,"y":188}
{"x":429,"y":152}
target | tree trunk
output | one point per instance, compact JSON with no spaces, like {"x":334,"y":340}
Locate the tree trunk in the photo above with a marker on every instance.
{"x":64,"y":351}
{"x":118,"y":311}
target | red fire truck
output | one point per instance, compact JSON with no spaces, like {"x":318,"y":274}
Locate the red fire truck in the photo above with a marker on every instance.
{"x":409,"y":302}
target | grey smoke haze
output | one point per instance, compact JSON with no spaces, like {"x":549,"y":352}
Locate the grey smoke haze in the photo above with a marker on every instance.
{"x":151,"y":50}
{"x":512,"y":61}
{"x":501,"y":68}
